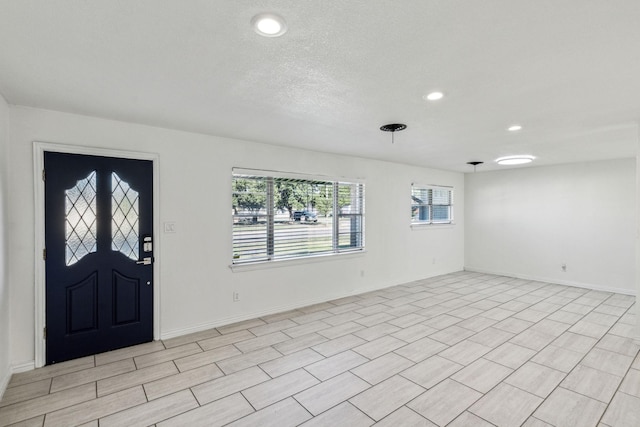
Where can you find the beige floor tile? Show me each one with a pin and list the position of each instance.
(465, 352)
(152, 412)
(624, 411)
(407, 320)
(253, 358)
(631, 383)
(382, 368)
(536, 379)
(240, 326)
(618, 344)
(592, 383)
(498, 313)
(132, 379)
(182, 381)
(45, 404)
(189, 338)
(372, 309)
(344, 414)
(377, 331)
(261, 342)
(531, 315)
(311, 317)
(229, 384)
(534, 422)
(272, 327)
(51, 371)
(575, 342)
(431, 371)
(491, 337)
(335, 365)
(166, 355)
(272, 391)
(218, 413)
(291, 362)
(300, 343)
(405, 417)
(601, 318)
(340, 330)
(444, 402)
(558, 358)
(513, 325)
(565, 317)
(535, 340)
(90, 375)
(624, 330)
(567, 408)
(25, 392)
(510, 355)
(306, 328)
(338, 345)
(451, 335)
(421, 349)
(343, 308)
(342, 318)
(607, 361)
(477, 323)
(200, 359)
(330, 393)
(287, 413)
(386, 397)
(467, 419)
(95, 409)
(577, 308)
(439, 322)
(31, 422)
(506, 406)
(374, 319)
(482, 375)
(589, 329)
(128, 352)
(224, 340)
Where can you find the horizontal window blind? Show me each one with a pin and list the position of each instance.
(431, 205)
(278, 217)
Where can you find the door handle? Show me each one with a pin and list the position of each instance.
(144, 261)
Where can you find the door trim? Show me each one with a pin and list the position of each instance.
(39, 192)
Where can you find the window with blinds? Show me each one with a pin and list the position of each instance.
(431, 204)
(277, 216)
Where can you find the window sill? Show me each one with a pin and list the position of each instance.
(261, 265)
(433, 226)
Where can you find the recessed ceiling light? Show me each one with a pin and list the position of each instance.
(515, 160)
(269, 25)
(514, 128)
(434, 96)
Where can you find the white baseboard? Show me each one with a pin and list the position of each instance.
(4, 381)
(589, 286)
(23, 367)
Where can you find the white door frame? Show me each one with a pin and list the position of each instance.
(39, 191)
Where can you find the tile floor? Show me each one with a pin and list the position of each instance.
(460, 350)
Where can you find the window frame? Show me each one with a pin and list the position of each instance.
(269, 211)
(430, 221)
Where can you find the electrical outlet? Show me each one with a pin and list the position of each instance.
(236, 296)
(564, 267)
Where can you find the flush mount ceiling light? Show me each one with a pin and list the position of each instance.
(393, 128)
(269, 25)
(514, 128)
(514, 160)
(434, 96)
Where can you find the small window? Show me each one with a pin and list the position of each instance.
(431, 204)
(281, 216)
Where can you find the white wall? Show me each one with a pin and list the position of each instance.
(195, 180)
(5, 343)
(527, 222)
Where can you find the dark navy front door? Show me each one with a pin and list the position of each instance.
(99, 254)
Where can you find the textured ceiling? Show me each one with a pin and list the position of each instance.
(568, 71)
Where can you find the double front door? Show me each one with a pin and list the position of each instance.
(99, 254)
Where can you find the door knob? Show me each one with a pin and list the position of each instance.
(144, 261)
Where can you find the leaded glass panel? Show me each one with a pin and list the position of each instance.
(80, 219)
(124, 218)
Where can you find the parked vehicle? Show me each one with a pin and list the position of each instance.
(306, 215)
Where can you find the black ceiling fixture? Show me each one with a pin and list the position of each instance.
(393, 128)
(474, 164)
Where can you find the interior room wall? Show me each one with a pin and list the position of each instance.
(196, 283)
(5, 342)
(529, 222)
